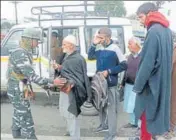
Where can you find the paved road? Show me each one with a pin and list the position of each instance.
(48, 121)
(40, 137)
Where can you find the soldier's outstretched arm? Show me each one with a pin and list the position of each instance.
(22, 62)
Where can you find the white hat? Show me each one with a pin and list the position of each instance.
(71, 39)
(137, 41)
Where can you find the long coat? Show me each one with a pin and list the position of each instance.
(74, 69)
(153, 80)
(173, 96)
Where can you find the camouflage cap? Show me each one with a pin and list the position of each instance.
(32, 33)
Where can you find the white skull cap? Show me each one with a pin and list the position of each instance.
(71, 39)
(137, 41)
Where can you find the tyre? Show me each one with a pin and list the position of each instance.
(88, 110)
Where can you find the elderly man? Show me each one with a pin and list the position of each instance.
(134, 46)
(110, 61)
(153, 80)
(77, 88)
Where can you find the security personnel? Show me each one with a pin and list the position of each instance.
(20, 73)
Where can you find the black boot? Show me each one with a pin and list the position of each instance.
(67, 134)
(33, 137)
(16, 134)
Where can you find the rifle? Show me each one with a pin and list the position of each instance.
(28, 94)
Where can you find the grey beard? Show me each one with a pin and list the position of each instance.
(69, 53)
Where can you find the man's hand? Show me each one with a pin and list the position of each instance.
(59, 67)
(105, 73)
(60, 82)
(56, 66)
(96, 40)
(67, 88)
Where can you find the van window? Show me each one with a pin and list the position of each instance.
(56, 42)
(74, 32)
(117, 36)
(11, 43)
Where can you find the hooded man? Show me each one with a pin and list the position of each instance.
(134, 46)
(77, 88)
(153, 80)
(20, 73)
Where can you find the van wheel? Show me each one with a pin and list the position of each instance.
(88, 109)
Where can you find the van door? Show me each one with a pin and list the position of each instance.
(45, 57)
(46, 61)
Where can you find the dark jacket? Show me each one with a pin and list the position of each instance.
(110, 58)
(131, 71)
(153, 80)
(75, 70)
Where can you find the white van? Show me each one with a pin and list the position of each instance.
(83, 28)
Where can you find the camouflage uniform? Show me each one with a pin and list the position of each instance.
(19, 73)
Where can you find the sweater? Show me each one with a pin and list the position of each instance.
(132, 63)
